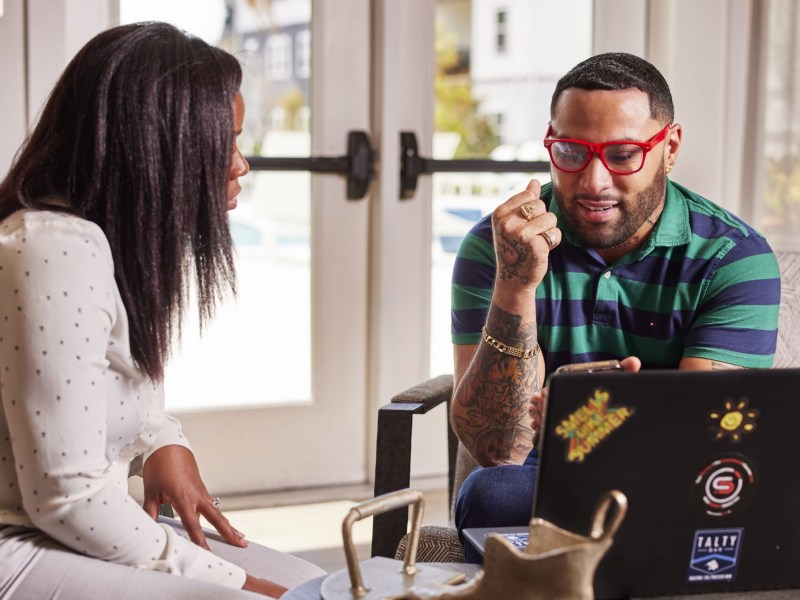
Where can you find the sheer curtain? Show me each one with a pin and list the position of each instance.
(776, 115)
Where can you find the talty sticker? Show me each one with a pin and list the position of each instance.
(733, 421)
(715, 555)
(587, 427)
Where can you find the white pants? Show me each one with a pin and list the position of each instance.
(35, 567)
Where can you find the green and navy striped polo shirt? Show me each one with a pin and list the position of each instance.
(704, 284)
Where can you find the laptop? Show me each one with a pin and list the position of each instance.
(709, 462)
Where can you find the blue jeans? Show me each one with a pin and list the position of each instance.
(496, 497)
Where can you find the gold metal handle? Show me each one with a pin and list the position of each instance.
(378, 506)
(620, 507)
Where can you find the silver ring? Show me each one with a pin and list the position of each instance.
(216, 503)
(550, 237)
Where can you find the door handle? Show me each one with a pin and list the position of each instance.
(412, 165)
(358, 165)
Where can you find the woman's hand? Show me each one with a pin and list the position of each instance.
(171, 477)
(263, 586)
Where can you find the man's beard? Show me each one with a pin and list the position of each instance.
(632, 214)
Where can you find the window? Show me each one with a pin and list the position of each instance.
(778, 216)
(279, 56)
(501, 31)
(303, 54)
(489, 107)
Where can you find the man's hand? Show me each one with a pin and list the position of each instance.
(171, 477)
(524, 233)
(538, 400)
(535, 411)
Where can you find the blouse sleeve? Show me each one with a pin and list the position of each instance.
(169, 433)
(57, 294)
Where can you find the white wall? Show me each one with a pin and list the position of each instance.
(620, 26)
(34, 56)
(710, 92)
(12, 75)
(56, 31)
(702, 49)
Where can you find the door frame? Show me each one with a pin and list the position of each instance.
(400, 230)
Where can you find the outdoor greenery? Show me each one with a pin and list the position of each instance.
(782, 193)
(292, 103)
(456, 109)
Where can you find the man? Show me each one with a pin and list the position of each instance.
(612, 260)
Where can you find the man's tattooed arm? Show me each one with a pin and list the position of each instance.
(490, 405)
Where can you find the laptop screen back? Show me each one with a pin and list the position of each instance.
(710, 466)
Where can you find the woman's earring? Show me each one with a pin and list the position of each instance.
(669, 168)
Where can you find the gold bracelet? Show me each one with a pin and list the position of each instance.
(510, 350)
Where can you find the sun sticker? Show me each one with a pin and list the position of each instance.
(733, 421)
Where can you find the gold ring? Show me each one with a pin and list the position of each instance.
(528, 210)
(551, 239)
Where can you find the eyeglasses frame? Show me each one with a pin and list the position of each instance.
(598, 147)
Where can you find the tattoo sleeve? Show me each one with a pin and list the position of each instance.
(490, 407)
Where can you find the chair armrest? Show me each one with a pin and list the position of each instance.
(393, 454)
(429, 394)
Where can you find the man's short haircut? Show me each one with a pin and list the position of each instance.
(620, 71)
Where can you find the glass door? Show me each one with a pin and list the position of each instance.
(497, 63)
(272, 394)
(322, 278)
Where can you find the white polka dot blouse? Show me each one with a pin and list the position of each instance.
(75, 409)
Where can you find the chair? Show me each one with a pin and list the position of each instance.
(393, 471)
(787, 354)
(393, 459)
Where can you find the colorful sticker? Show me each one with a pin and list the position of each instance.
(715, 555)
(733, 421)
(725, 487)
(590, 424)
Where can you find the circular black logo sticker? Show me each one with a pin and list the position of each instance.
(725, 487)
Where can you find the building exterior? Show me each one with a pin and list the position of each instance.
(519, 49)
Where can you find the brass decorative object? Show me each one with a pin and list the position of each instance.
(555, 565)
(381, 577)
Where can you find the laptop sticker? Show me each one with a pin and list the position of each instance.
(733, 421)
(585, 428)
(725, 487)
(715, 555)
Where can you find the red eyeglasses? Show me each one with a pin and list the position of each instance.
(621, 157)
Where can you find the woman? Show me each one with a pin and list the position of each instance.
(115, 202)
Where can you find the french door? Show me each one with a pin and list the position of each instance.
(272, 395)
(332, 317)
(280, 391)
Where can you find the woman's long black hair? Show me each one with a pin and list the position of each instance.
(137, 137)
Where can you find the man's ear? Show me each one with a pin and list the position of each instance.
(672, 144)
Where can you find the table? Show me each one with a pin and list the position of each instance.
(311, 589)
